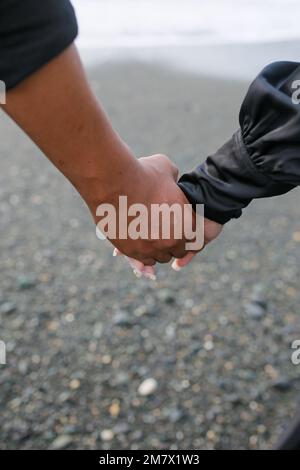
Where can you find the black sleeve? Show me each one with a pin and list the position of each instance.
(32, 32)
(262, 159)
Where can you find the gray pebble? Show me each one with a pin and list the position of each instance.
(282, 385)
(258, 295)
(166, 296)
(61, 442)
(255, 311)
(123, 319)
(7, 308)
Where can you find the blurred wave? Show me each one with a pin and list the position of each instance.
(154, 23)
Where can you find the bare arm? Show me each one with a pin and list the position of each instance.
(57, 109)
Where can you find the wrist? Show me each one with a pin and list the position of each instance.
(105, 183)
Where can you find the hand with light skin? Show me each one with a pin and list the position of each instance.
(211, 231)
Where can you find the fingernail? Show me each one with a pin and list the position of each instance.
(137, 273)
(175, 266)
(115, 252)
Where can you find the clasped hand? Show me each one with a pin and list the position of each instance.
(153, 181)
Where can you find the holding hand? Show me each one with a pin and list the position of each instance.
(76, 135)
(211, 232)
(151, 183)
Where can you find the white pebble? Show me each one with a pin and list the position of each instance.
(107, 435)
(147, 387)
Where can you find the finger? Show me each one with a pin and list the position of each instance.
(145, 261)
(135, 264)
(140, 270)
(164, 164)
(139, 259)
(163, 258)
(179, 252)
(178, 264)
(149, 273)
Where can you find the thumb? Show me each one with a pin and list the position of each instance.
(178, 264)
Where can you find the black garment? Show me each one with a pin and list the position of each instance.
(290, 440)
(262, 159)
(32, 32)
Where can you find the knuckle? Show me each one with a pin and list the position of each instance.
(149, 262)
(179, 254)
(164, 259)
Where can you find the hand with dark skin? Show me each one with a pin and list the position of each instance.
(57, 109)
(211, 231)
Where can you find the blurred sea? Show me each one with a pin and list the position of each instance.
(111, 29)
(150, 23)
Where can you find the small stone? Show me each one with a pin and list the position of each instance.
(208, 345)
(271, 372)
(234, 399)
(282, 385)
(23, 366)
(15, 404)
(53, 325)
(166, 295)
(231, 254)
(296, 237)
(74, 384)
(121, 428)
(121, 378)
(144, 310)
(106, 359)
(211, 435)
(107, 435)
(63, 397)
(137, 435)
(147, 387)
(174, 414)
(98, 330)
(258, 295)
(114, 409)
(123, 319)
(26, 282)
(140, 311)
(255, 310)
(61, 442)
(170, 332)
(247, 375)
(8, 308)
(70, 429)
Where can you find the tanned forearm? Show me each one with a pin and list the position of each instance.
(60, 113)
(57, 109)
